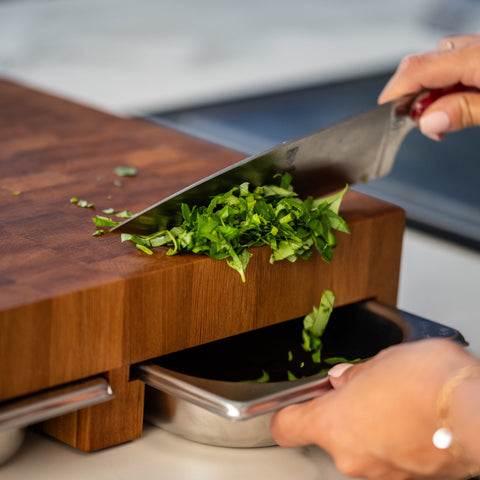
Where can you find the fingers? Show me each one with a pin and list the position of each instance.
(436, 69)
(450, 43)
(306, 423)
(380, 433)
(455, 61)
(451, 113)
(316, 422)
(291, 426)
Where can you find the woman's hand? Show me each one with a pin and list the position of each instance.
(378, 420)
(457, 60)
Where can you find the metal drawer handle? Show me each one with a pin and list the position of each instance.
(53, 403)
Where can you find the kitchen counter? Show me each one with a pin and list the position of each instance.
(439, 281)
(159, 454)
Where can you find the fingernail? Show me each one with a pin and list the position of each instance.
(339, 369)
(434, 125)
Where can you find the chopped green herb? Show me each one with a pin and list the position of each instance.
(100, 221)
(316, 321)
(108, 211)
(82, 203)
(317, 353)
(314, 325)
(128, 237)
(144, 249)
(16, 192)
(291, 376)
(126, 171)
(98, 233)
(247, 216)
(124, 214)
(263, 379)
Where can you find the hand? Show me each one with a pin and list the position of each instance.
(457, 60)
(378, 420)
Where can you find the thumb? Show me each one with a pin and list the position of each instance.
(298, 424)
(451, 113)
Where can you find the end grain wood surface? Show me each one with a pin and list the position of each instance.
(73, 305)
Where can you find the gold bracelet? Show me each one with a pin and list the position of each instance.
(443, 437)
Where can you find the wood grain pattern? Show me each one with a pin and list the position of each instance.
(94, 428)
(73, 305)
(204, 300)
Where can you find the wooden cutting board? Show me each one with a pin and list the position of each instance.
(73, 305)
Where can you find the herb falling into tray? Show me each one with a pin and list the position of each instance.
(314, 325)
(277, 353)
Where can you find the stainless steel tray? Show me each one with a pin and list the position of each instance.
(201, 407)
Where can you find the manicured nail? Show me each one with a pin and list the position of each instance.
(434, 125)
(339, 369)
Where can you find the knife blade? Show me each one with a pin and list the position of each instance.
(357, 149)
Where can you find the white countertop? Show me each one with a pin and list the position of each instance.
(133, 56)
(158, 454)
(441, 281)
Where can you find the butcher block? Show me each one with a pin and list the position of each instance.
(75, 306)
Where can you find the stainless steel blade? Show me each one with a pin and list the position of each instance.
(355, 150)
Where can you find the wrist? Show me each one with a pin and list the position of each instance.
(465, 416)
(458, 419)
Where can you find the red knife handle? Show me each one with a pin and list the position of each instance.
(425, 99)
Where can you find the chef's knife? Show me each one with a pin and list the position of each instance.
(358, 149)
